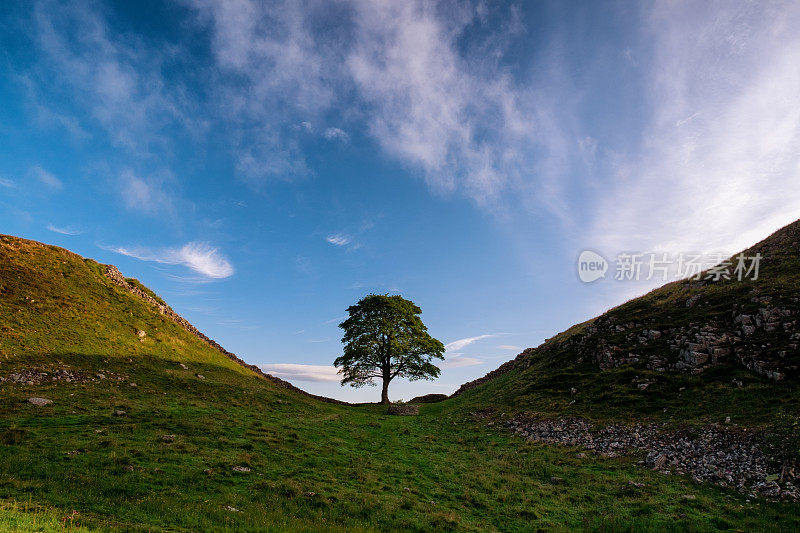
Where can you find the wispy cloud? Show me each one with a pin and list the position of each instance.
(144, 194)
(46, 178)
(460, 361)
(509, 347)
(338, 239)
(720, 161)
(296, 372)
(64, 231)
(7, 183)
(451, 112)
(115, 77)
(336, 134)
(461, 343)
(199, 257)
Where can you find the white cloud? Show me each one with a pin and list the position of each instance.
(290, 371)
(451, 112)
(336, 134)
(112, 75)
(461, 343)
(146, 195)
(199, 257)
(338, 239)
(509, 347)
(64, 231)
(46, 178)
(459, 361)
(7, 183)
(719, 166)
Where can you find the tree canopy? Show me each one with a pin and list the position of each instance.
(384, 338)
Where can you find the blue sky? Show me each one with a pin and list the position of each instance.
(262, 166)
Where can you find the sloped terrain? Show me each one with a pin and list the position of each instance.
(695, 350)
(114, 415)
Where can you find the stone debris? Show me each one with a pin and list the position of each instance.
(39, 402)
(243, 469)
(35, 376)
(727, 456)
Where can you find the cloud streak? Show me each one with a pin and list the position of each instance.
(63, 231)
(197, 256)
(46, 178)
(297, 372)
(338, 239)
(462, 343)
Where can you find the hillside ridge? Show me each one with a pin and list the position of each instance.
(692, 325)
(114, 274)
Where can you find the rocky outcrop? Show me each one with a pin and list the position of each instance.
(690, 326)
(113, 274)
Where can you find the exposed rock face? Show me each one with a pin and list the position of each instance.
(729, 457)
(113, 274)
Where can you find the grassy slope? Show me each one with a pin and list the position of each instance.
(543, 382)
(440, 470)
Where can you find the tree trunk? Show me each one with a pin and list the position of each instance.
(385, 392)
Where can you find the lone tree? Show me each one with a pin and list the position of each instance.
(384, 338)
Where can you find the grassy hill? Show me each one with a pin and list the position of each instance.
(692, 351)
(163, 431)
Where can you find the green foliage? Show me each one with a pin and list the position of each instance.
(385, 338)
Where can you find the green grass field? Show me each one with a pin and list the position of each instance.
(366, 470)
(313, 466)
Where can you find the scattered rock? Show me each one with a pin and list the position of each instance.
(119, 412)
(406, 409)
(141, 334)
(310, 494)
(168, 438)
(39, 402)
(725, 455)
(232, 509)
(243, 469)
(200, 376)
(128, 468)
(688, 497)
(183, 366)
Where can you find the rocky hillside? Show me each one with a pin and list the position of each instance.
(56, 305)
(692, 326)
